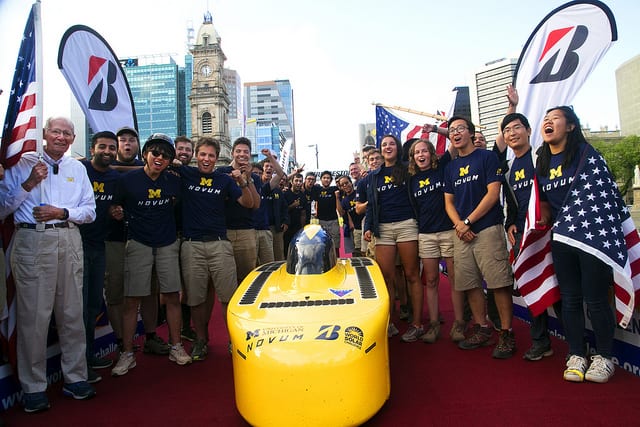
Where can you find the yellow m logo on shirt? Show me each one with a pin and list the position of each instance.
(424, 183)
(388, 179)
(519, 174)
(206, 181)
(154, 194)
(555, 173)
(98, 187)
(464, 171)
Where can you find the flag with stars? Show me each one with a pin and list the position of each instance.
(19, 133)
(389, 124)
(595, 220)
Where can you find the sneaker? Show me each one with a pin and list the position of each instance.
(93, 377)
(188, 334)
(601, 369)
(457, 331)
(125, 362)
(35, 402)
(81, 390)
(392, 331)
(432, 333)
(99, 362)
(506, 345)
(156, 345)
(413, 333)
(481, 337)
(199, 350)
(576, 365)
(537, 352)
(405, 313)
(178, 355)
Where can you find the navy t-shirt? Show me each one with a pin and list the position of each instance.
(348, 203)
(149, 206)
(326, 198)
(238, 217)
(521, 174)
(467, 179)
(427, 189)
(104, 188)
(116, 231)
(295, 214)
(393, 199)
(555, 186)
(204, 197)
(261, 215)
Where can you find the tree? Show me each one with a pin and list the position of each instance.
(622, 158)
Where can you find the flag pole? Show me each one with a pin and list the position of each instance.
(37, 24)
(409, 110)
(419, 113)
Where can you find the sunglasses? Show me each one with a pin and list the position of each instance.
(158, 153)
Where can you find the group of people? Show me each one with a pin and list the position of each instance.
(159, 224)
(428, 208)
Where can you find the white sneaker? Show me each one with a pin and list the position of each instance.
(126, 361)
(601, 369)
(576, 365)
(178, 355)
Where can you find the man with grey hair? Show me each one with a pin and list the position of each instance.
(49, 196)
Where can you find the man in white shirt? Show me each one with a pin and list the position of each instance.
(49, 196)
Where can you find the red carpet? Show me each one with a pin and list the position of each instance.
(431, 385)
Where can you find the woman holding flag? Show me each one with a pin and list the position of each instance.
(575, 184)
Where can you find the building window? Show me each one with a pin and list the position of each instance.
(206, 123)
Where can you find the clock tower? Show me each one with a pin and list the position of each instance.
(209, 100)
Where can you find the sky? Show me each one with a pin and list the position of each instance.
(339, 55)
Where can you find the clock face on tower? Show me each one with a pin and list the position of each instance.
(205, 70)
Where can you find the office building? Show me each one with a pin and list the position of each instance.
(628, 88)
(271, 103)
(233, 85)
(487, 95)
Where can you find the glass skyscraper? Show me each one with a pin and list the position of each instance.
(159, 97)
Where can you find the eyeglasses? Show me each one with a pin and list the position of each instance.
(58, 132)
(158, 153)
(515, 128)
(458, 129)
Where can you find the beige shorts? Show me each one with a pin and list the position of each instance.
(357, 238)
(139, 262)
(204, 260)
(398, 232)
(484, 257)
(245, 251)
(436, 245)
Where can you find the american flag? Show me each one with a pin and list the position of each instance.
(389, 124)
(596, 220)
(19, 133)
(533, 268)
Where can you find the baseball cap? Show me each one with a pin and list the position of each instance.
(163, 139)
(127, 129)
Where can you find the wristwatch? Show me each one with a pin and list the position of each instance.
(466, 221)
(65, 214)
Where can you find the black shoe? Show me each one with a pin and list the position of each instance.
(99, 363)
(93, 377)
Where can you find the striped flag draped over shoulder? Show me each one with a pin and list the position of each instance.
(593, 219)
(19, 134)
(96, 79)
(596, 220)
(559, 56)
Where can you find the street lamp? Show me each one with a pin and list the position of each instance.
(316, 146)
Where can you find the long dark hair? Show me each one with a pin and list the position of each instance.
(399, 172)
(574, 139)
